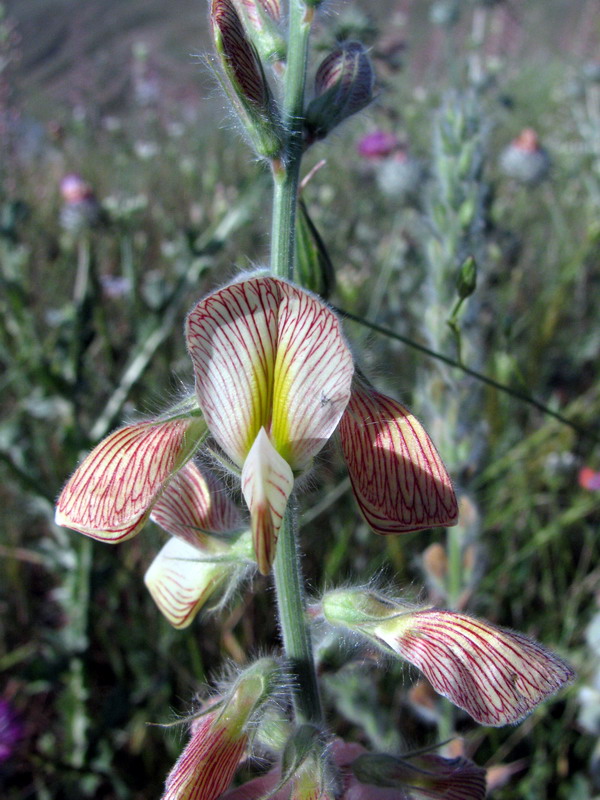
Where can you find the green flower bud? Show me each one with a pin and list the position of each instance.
(343, 86)
(467, 278)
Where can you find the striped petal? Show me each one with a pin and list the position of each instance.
(232, 341)
(110, 495)
(180, 583)
(192, 503)
(496, 675)
(207, 765)
(267, 482)
(313, 376)
(268, 354)
(397, 476)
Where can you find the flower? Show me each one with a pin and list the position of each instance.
(589, 479)
(274, 379)
(221, 736)
(496, 675)
(80, 207)
(525, 159)
(377, 144)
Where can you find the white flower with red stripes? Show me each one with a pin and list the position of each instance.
(274, 379)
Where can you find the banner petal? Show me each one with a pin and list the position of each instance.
(397, 476)
(232, 339)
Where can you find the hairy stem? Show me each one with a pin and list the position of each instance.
(292, 619)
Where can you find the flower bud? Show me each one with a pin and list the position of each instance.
(246, 83)
(496, 675)
(220, 737)
(467, 278)
(313, 265)
(343, 85)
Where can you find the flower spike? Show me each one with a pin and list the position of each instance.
(398, 478)
(110, 495)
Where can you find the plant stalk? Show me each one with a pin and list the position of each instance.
(292, 619)
(286, 171)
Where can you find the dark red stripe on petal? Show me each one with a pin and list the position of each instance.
(110, 495)
(232, 339)
(398, 478)
(195, 501)
(496, 675)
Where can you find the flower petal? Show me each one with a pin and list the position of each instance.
(192, 503)
(232, 340)
(397, 475)
(496, 675)
(180, 583)
(207, 765)
(267, 482)
(110, 495)
(313, 376)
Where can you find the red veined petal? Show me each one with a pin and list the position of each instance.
(232, 340)
(110, 495)
(180, 583)
(207, 765)
(267, 482)
(496, 675)
(312, 379)
(397, 476)
(193, 502)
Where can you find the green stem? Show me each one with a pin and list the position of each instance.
(294, 627)
(286, 171)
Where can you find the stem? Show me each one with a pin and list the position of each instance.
(286, 171)
(288, 579)
(292, 618)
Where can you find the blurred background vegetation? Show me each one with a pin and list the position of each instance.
(167, 202)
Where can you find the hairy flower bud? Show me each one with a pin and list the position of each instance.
(343, 85)
(220, 737)
(246, 83)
